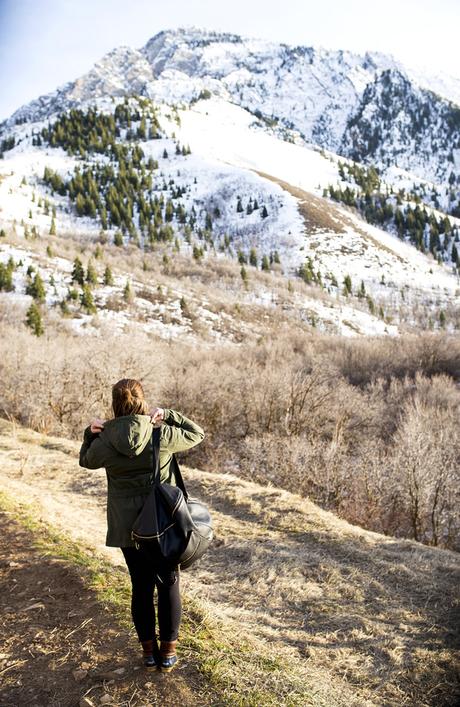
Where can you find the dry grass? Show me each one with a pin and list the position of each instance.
(302, 608)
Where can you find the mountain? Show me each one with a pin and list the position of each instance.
(320, 165)
(321, 94)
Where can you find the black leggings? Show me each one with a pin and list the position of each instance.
(145, 575)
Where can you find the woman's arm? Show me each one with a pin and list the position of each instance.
(178, 433)
(88, 451)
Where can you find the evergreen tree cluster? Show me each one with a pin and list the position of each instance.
(35, 286)
(444, 198)
(393, 121)
(308, 274)
(6, 275)
(250, 207)
(120, 193)
(86, 279)
(83, 132)
(253, 259)
(387, 210)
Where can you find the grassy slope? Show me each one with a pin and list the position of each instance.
(292, 606)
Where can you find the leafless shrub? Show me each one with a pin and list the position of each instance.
(115, 303)
(368, 429)
(364, 360)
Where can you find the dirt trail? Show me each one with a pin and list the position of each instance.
(367, 620)
(59, 645)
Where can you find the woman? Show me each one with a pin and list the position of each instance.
(123, 446)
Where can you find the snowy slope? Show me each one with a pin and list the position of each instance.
(215, 129)
(232, 157)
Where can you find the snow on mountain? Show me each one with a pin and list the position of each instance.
(397, 123)
(265, 123)
(319, 93)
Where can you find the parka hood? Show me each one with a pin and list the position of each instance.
(129, 434)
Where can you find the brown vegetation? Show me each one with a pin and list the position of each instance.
(367, 428)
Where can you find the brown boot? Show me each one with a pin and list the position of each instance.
(168, 657)
(150, 654)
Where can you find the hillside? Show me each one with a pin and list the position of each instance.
(353, 617)
(213, 147)
(207, 207)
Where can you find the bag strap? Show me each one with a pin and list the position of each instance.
(156, 454)
(178, 476)
(174, 463)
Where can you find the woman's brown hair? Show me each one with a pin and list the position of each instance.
(128, 398)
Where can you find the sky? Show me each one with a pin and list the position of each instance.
(45, 43)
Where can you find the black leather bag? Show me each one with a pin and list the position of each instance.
(176, 529)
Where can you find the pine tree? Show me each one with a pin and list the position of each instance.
(78, 272)
(239, 206)
(165, 154)
(6, 278)
(53, 227)
(34, 319)
(265, 263)
(118, 239)
(197, 252)
(87, 301)
(264, 212)
(244, 275)
(103, 217)
(442, 319)
(91, 274)
(127, 292)
(184, 307)
(169, 211)
(253, 257)
(242, 259)
(36, 288)
(108, 277)
(80, 204)
(347, 289)
(362, 290)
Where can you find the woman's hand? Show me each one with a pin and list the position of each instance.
(157, 416)
(97, 426)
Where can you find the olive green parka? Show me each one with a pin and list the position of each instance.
(124, 448)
